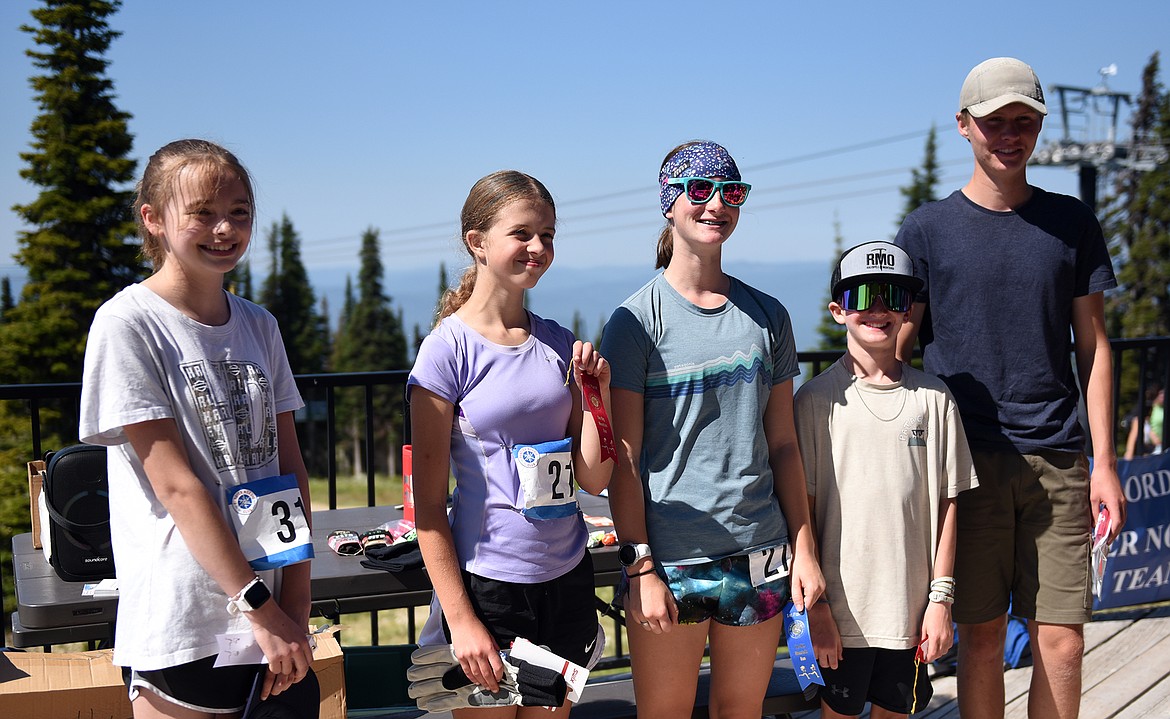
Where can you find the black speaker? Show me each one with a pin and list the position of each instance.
(76, 490)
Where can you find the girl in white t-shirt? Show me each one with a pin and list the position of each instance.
(190, 389)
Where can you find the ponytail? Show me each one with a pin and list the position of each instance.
(665, 247)
(452, 300)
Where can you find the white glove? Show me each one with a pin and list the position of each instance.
(438, 683)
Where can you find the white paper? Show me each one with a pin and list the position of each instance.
(104, 588)
(238, 648)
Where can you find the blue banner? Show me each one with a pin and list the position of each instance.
(1138, 569)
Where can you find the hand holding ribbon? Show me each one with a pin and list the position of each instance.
(590, 371)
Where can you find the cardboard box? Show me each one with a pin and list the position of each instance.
(34, 496)
(329, 666)
(34, 685)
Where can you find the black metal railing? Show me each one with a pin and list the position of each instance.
(1145, 361)
(1148, 358)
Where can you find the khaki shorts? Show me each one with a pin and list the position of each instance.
(1023, 539)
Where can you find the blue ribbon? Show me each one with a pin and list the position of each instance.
(800, 647)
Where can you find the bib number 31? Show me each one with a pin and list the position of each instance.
(270, 522)
(546, 479)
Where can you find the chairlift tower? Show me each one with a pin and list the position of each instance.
(1089, 140)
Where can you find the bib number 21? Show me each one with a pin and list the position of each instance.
(546, 479)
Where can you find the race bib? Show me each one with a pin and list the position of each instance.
(270, 522)
(768, 564)
(546, 479)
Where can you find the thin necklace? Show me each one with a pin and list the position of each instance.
(861, 396)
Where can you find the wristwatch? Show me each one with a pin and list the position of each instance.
(630, 554)
(250, 598)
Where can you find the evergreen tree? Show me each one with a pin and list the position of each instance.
(270, 295)
(418, 338)
(832, 334)
(443, 283)
(348, 303)
(239, 280)
(1137, 220)
(288, 295)
(443, 287)
(578, 328)
(6, 302)
(324, 331)
(339, 347)
(923, 181)
(79, 250)
(371, 339)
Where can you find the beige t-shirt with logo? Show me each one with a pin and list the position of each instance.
(879, 459)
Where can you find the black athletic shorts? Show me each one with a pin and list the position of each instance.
(560, 614)
(197, 685)
(200, 686)
(885, 677)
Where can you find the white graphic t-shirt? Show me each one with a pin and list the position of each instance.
(224, 386)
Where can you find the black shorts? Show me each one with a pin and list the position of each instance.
(197, 685)
(200, 686)
(885, 677)
(560, 614)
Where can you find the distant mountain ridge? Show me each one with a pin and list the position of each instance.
(594, 292)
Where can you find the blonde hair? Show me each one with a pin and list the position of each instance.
(488, 197)
(157, 187)
(666, 237)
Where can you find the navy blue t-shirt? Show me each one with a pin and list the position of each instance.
(999, 291)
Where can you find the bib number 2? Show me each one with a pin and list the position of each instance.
(546, 479)
(270, 522)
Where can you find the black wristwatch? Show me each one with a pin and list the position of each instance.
(630, 554)
(251, 597)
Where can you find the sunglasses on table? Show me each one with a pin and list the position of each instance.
(700, 190)
(896, 298)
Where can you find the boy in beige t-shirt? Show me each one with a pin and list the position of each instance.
(884, 455)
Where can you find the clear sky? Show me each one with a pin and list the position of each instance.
(360, 113)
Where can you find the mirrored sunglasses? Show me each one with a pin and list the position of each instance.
(700, 190)
(896, 298)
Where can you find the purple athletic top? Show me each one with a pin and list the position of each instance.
(502, 396)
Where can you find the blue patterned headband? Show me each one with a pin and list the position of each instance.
(705, 159)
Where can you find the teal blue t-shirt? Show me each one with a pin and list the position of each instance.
(705, 376)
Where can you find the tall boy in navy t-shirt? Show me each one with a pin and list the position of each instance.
(1008, 269)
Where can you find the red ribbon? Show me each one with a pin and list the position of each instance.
(592, 393)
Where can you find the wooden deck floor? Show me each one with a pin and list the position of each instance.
(1126, 672)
